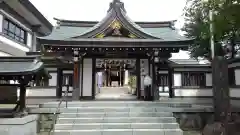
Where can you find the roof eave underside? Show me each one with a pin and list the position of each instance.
(87, 42)
(119, 14)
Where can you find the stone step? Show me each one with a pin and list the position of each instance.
(89, 126)
(113, 109)
(117, 120)
(120, 132)
(116, 114)
(116, 104)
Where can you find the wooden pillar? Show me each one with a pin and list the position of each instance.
(76, 89)
(170, 82)
(120, 76)
(155, 92)
(107, 74)
(93, 77)
(59, 82)
(22, 100)
(81, 77)
(138, 73)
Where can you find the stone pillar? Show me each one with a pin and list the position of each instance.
(126, 77)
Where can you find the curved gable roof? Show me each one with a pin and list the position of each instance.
(72, 29)
(116, 12)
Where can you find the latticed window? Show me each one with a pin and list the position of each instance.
(193, 79)
(162, 79)
(68, 78)
(13, 31)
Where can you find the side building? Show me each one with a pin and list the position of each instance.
(20, 24)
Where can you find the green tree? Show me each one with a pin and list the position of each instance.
(197, 25)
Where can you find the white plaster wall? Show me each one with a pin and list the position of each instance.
(237, 76)
(166, 89)
(164, 94)
(1, 23)
(12, 47)
(177, 79)
(87, 77)
(29, 39)
(235, 92)
(193, 92)
(19, 126)
(192, 69)
(208, 79)
(53, 80)
(67, 71)
(43, 92)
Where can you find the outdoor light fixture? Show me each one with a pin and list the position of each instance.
(156, 53)
(156, 59)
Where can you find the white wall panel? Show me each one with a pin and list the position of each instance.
(29, 39)
(177, 79)
(235, 92)
(208, 79)
(193, 92)
(237, 76)
(1, 23)
(87, 77)
(53, 80)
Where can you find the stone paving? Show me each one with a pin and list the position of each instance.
(114, 93)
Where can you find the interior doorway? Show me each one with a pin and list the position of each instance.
(113, 79)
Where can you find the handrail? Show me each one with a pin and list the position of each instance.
(55, 117)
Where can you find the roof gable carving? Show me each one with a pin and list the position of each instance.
(116, 16)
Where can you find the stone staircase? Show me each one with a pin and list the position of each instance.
(115, 118)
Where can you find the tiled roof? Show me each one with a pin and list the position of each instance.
(12, 66)
(66, 32)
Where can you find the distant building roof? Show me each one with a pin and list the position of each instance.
(17, 66)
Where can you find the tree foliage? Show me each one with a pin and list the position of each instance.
(197, 25)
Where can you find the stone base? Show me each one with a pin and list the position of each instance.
(19, 126)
